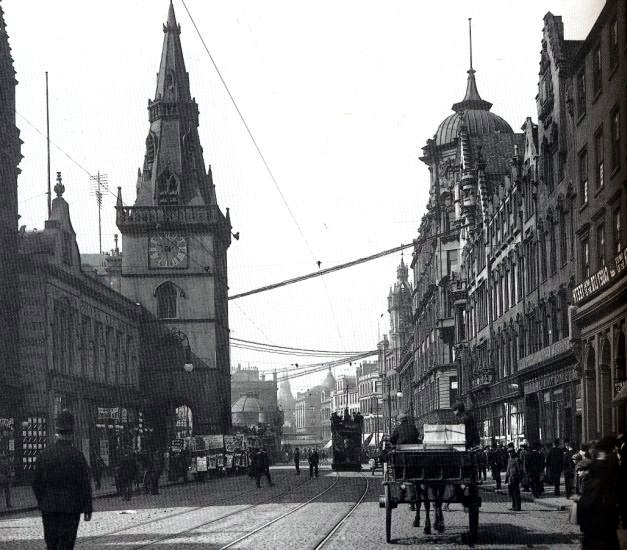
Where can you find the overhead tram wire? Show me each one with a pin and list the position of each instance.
(295, 348)
(263, 159)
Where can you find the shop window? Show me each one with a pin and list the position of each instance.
(581, 93)
(598, 158)
(583, 176)
(615, 139)
(617, 245)
(585, 258)
(600, 246)
(613, 43)
(596, 70)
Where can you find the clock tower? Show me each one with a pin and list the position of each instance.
(175, 239)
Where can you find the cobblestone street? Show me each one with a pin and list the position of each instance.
(224, 513)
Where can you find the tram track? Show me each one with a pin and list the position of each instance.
(93, 541)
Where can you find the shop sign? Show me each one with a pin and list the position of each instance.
(601, 278)
(549, 381)
(201, 464)
(213, 441)
(176, 446)
(233, 443)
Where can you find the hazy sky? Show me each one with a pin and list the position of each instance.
(340, 96)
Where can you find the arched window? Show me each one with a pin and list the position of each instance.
(166, 301)
(150, 151)
(167, 189)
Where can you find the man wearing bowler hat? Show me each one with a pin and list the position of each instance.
(62, 487)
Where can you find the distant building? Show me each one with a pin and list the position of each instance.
(370, 398)
(308, 412)
(251, 393)
(326, 405)
(346, 395)
(287, 403)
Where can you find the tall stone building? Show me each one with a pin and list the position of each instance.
(465, 160)
(10, 156)
(287, 403)
(598, 113)
(175, 240)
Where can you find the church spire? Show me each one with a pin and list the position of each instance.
(472, 99)
(174, 169)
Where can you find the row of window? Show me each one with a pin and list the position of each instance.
(597, 68)
(101, 353)
(600, 242)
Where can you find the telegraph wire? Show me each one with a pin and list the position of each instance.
(295, 348)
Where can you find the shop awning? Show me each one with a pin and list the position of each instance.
(621, 396)
(328, 445)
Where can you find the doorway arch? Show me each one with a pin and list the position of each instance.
(605, 389)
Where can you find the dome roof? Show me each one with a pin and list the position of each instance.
(329, 381)
(246, 404)
(478, 123)
(476, 114)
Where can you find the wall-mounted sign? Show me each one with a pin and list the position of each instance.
(601, 279)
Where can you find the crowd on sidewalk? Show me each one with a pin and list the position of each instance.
(594, 477)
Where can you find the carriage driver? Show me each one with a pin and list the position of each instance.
(465, 418)
(404, 433)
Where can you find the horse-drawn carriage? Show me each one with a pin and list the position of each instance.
(437, 471)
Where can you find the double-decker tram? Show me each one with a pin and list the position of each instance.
(346, 433)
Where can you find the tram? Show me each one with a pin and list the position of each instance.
(346, 433)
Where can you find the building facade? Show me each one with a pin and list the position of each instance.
(326, 405)
(248, 382)
(307, 412)
(370, 398)
(598, 112)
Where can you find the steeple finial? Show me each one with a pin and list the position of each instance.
(470, 39)
(59, 188)
(472, 99)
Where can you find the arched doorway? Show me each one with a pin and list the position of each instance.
(620, 375)
(606, 390)
(590, 395)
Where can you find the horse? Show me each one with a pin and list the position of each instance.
(421, 491)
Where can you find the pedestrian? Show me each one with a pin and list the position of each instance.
(596, 509)
(127, 472)
(261, 466)
(534, 466)
(482, 463)
(6, 467)
(155, 469)
(470, 426)
(513, 476)
(96, 470)
(581, 465)
(569, 470)
(313, 463)
(555, 464)
(62, 487)
(297, 460)
(523, 455)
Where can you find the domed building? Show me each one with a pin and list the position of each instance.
(470, 162)
(247, 411)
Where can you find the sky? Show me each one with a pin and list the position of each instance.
(340, 96)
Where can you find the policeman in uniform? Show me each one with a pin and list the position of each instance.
(62, 487)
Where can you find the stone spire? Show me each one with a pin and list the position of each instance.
(472, 99)
(174, 169)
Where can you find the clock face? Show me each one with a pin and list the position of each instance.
(167, 250)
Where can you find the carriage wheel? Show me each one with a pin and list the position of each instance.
(388, 514)
(473, 520)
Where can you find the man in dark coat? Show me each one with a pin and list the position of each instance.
(534, 464)
(513, 475)
(261, 465)
(569, 470)
(297, 461)
(127, 472)
(465, 418)
(555, 464)
(62, 487)
(597, 513)
(6, 467)
(404, 433)
(313, 463)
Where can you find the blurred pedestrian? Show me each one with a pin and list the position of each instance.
(62, 487)
(261, 466)
(555, 464)
(569, 470)
(482, 463)
(96, 470)
(313, 463)
(297, 460)
(127, 473)
(6, 467)
(523, 455)
(534, 464)
(596, 509)
(155, 468)
(513, 475)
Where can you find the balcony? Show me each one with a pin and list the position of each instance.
(140, 218)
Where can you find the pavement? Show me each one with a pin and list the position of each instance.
(548, 499)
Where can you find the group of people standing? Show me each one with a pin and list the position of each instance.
(312, 457)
